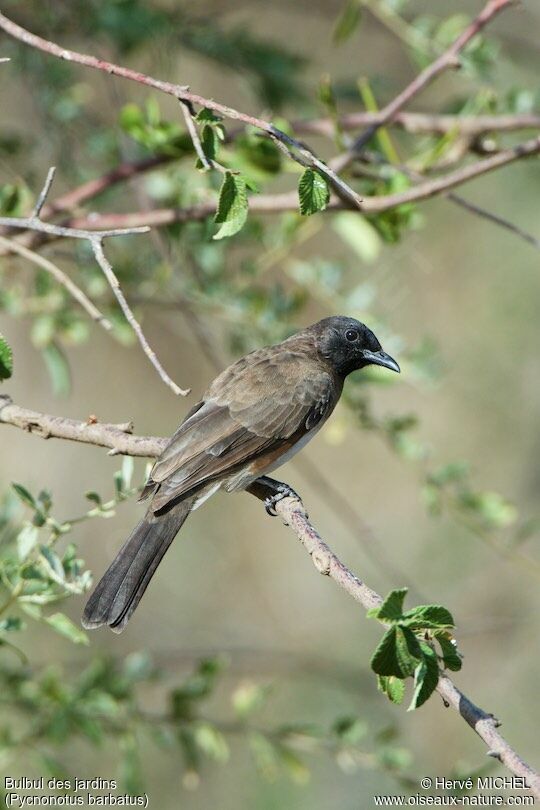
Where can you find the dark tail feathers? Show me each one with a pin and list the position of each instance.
(121, 587)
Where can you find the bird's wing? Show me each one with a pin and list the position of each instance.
(259, 405)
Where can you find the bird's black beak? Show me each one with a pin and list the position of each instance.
(380, 358)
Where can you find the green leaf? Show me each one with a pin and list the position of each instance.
(58, 369)
(347, 22)
(24, 495)
(350, 730)
(296, 769)
(393, 688)
(206, 116)
(6, 359)
(64, 626)
(209, 143)
(265, 755)
(313, 192)
(451, 657)
(26, 540)
(427, 617)
(426, 678)
(398, 653)
(392, 607)
(52, 560)
(131, 769)
(11, 624)
(249, 697)
(212, 742)
(232, 208)
(359, 234)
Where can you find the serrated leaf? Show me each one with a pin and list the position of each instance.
(313, 192)
(393, 688)
(398, 653)
(6, 359)
(392, 607)
(206, 116)
(232, 208)
(209, 143)
(65, 627)
(426, 678)
(347, 22)
(24, 495)
(450, 655)
(429, 617)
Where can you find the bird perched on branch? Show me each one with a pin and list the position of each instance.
(256, 414)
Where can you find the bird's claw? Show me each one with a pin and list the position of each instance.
(284, 491)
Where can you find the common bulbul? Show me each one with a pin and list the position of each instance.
(256, 414)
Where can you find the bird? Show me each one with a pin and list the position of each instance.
(254, 417)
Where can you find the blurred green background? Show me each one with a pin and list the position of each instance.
(451, 295)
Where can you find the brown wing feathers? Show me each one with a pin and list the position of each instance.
(239, 422)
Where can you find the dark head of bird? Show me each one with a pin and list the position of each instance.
(349, 345)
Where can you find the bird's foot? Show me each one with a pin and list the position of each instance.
(283, 491)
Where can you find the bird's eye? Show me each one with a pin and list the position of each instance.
(352, 335)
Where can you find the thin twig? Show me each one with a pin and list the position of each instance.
(59, 276)
(44, 192)
(35, 224)
(95, 238)
(97, 247)
(448, 59)
(294, 515)
(194, 134)
(495, 218)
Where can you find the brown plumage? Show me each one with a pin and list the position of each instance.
(254, 416)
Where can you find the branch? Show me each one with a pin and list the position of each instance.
(418, 123)
(457, 199)
(448, 181)
(288, 201)
(415, 123)
(117, 438)
(448, 59)
(120, 440)
(95, 238)
(298, 151)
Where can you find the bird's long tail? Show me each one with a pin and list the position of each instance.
(121, 587)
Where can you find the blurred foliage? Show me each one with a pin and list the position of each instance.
(251, 277)
(44, 710)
